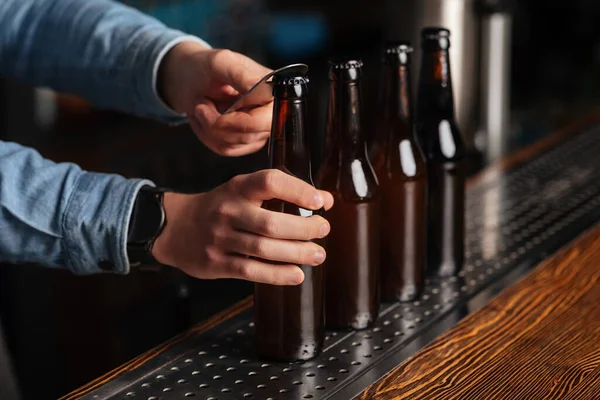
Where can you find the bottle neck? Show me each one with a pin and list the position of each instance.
(344, 127)
(435, 99)
(332, 137)
(397, 91)
(288, 149)
(397, 97)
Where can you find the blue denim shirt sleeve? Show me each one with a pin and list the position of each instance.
(58, 215)
(102, 50)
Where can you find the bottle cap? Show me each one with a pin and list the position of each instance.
(345, 69)
(290, 80)
(435, 38)
(434, 32)
(398, 51)
(345, 64)
(397, 47)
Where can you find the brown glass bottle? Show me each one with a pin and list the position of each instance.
(289, 320)
(402, 172)
(444, 150)
(352, 264)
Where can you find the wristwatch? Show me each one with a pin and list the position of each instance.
(147, 221)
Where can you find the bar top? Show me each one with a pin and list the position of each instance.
(539, 334)
(537, 340)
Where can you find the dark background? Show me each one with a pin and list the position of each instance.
(64, 330)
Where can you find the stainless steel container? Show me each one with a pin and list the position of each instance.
(496, 36)
(479, 56)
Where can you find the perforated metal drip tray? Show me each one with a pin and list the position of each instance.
(512, 223)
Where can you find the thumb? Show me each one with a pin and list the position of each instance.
(237, 70)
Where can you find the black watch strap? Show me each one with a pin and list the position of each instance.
(147, 221)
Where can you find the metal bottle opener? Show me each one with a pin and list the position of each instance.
(262, 89)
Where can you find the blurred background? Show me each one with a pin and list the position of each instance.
(521, 71)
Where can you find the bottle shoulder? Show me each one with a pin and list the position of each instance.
(401, 156)
(441, 139)
(405, 160)
(353, 178)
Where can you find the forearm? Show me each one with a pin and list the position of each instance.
(60, 216)
(101, 50)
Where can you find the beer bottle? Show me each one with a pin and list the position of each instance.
(289, 320)
(402, 172)
(445, 153)
(352, 264)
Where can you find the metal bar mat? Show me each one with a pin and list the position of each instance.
(520, 217)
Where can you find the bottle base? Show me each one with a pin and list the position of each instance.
(277, 358)
(275, 353)
(360, 322)
(405, 294)
(445, 270)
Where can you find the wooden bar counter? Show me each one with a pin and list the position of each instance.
(539, 339)
(521, 321)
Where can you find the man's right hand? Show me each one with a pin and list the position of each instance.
(220, 233)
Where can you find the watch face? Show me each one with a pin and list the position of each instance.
(148, 216)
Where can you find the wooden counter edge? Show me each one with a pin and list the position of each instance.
(489, 172)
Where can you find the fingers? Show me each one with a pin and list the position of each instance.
(255, 120)
(327, 199)
(260, 94)
(278, 225)
(238, 127)
(241, 132)
(257, 271)
(235, 134)
(222, 147)
(269, 249)
(275, 184)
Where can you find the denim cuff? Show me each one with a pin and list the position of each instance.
(96, 221)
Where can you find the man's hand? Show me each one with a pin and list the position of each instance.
(211, 235)
(203, 83)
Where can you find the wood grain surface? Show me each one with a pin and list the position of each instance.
(539, 339)
(489, 173)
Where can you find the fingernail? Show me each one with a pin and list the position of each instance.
(324, 230)
(317, 201)
(319, 257)
(297, 278)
